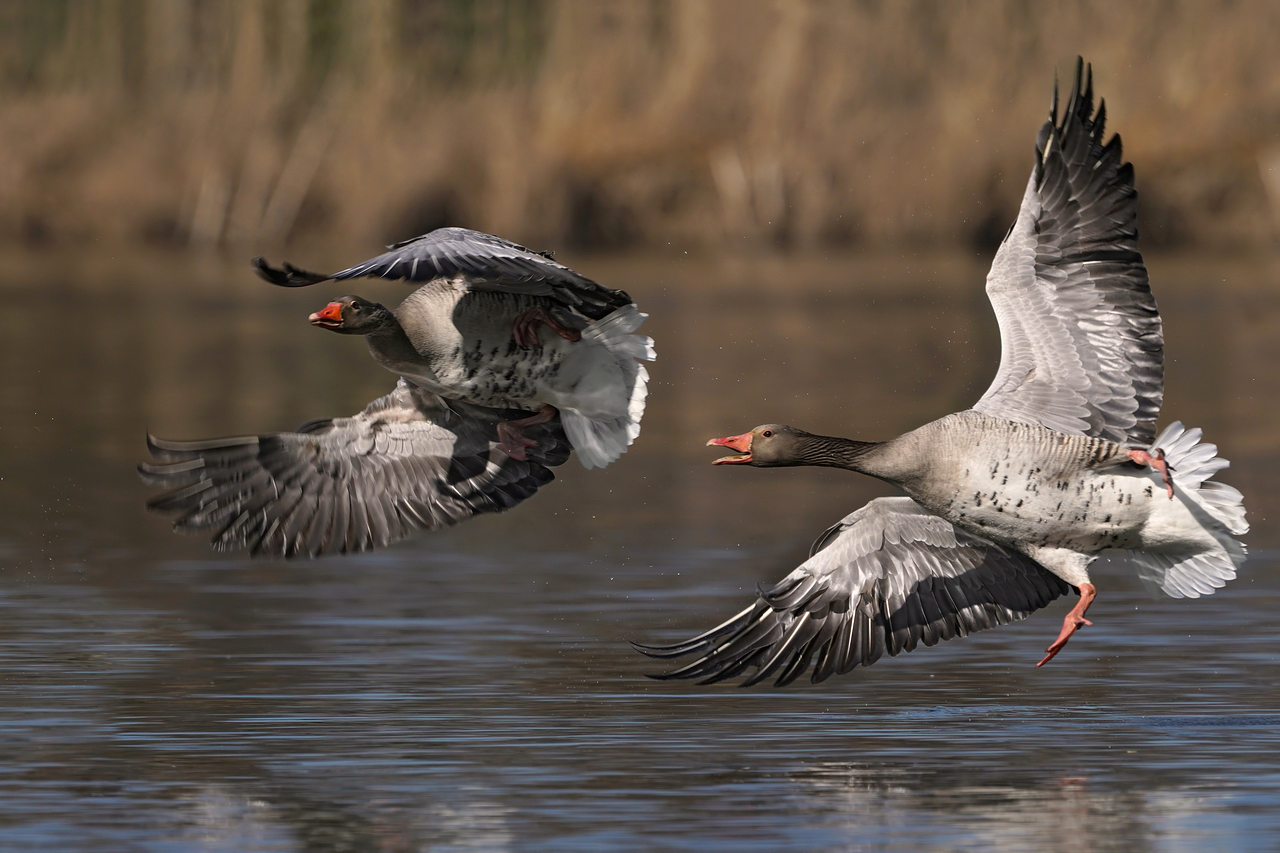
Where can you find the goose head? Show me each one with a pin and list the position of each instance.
(353, 315)
(766, 446)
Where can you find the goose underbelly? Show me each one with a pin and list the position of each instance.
(497, 374)
(1024, 485)
(1087, 512)
(581, 375)
(467, 349)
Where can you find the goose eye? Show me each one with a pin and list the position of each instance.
(766, 434)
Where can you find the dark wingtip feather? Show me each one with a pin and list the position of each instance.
(285, 275)
(1073, 100)
(161, 446)
(1088, 82)
(652, 651)
(1053, 106)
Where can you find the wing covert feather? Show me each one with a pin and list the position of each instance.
(478, 261)
(889, 577)
(409, 461)
(1082, 346)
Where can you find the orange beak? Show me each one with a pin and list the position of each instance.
(328, 316)
(740, 443)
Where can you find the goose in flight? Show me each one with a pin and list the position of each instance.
(507, 361)
(1007, 503)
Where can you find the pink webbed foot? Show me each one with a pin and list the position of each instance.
(1073, 621)
(525, 328)
(511, 440)
(1157, 462)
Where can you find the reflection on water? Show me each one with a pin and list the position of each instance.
(473, 690)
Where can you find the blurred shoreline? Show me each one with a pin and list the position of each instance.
(702, 124)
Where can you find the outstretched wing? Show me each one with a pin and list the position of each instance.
(484, 261)
(409, 461)
(887, 578)
(1083, 352)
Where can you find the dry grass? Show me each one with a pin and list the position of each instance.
(698, 123)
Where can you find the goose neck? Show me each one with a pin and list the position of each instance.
(833, 452)
(390, 343)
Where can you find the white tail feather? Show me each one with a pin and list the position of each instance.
(1191, 464)
(600, 440)
(1226, 504)
(1179, 576)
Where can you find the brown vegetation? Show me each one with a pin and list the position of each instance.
(689, 122)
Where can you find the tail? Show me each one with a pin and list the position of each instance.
(598, 441)
(1191, 465)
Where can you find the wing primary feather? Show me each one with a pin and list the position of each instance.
(890, 577)
(343, 485)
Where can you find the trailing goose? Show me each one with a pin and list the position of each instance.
(507, 360)
(1010, 502)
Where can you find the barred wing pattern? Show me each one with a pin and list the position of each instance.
(1083, 351)
(484, 262)
(887, 578)
(410, 461)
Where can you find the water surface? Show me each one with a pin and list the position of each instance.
(473, 689)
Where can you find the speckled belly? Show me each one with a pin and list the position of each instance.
(1090, 513)
(471, 354)
(503, 376)
(1022, 484)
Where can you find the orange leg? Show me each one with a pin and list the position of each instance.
(511, 440)
(1155, 460)
(525, 328)
(1073, 621)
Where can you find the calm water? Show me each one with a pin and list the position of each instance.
(473, 689)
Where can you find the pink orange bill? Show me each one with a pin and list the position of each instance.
(740, 443)
(329, 314)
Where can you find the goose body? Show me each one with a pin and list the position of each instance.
(1007, 503)
(593, 380)
(1060, 499)
(507, 360)
(461, 345)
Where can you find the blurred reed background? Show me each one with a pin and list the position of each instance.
(805, 196)
(706, 124)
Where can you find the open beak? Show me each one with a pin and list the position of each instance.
(328, 317)
(740, 443)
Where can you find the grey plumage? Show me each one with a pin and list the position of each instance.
(485, 262)
(888, 577)
(476, 368)
(1082, 347)
(1010, 501)
(410, 461)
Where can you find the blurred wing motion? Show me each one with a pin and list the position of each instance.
(484, 262)
(410, 461)
(888, 577)
(1083, 351)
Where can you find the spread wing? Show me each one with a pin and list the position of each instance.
(1083, 352)
(409, 461)
(887, 578)
(485, 262)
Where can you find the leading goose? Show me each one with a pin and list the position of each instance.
(1008, 503)
(506, 360)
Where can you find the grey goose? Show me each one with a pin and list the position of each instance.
(1008, 503)
(507, 361)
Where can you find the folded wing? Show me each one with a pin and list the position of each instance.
(887, 578)
(410, 461)
(483, 261)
